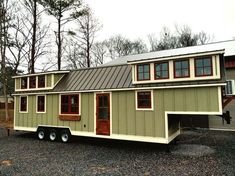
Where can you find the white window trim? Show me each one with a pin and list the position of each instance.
(136, 101)
(79, 104)
(27, 106)
(193, 77)
(32, 89)
(45, 104)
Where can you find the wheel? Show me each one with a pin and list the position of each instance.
(41, 133)
(52, 135)
(65, 136)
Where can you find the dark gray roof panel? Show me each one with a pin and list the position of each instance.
(96, 79)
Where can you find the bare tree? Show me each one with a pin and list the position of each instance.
(203, 38)
(183, 37)
(88, 26)
(120, 46)
(64, 11)
(99, 51)
(25, 38)
(153, 41)
(4, 18)
(186, 37)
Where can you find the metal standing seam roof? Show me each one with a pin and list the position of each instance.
(229, 47)
(112, 77)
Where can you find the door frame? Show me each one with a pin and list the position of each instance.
(110, 109)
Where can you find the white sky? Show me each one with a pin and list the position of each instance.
(138, 18)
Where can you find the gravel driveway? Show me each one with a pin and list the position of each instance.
(197, 152)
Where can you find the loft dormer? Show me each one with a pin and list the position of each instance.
(38, 81)
(175, 67)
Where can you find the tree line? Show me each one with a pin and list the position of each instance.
(41, 35)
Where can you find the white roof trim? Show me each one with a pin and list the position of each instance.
(175, 57)
(45, 73)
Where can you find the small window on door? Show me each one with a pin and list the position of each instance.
(144, 100)
(70, 104)
(24, 104)
(41, 103)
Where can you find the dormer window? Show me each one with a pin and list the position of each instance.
(181, 69)
(143, 72)
(161, 70)
(41, 81)
(203, 67)
(32, 82)
(24, 83)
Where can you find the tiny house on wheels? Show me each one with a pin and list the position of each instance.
(135, 98)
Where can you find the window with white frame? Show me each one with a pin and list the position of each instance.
(144, 100)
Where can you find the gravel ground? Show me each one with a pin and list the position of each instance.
(198, 152)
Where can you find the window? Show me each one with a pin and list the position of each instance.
(69, 104)
(143, 72)
(41, 103)
(181, 69)
(161, 70)
(23, 104)
(203, 67)
(32, 82)
(24, 83)
(41, 81)
(144, 100)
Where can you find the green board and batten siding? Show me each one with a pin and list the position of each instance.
(126, 120)
(33, 119)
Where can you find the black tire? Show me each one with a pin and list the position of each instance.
(41, 133)
(65, 136)
(52, 135)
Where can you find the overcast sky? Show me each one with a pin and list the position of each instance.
(138, 18)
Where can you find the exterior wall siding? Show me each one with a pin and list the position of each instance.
(57, 77)
(129, 121)
(48, 78)
(126, 120)
(33, 119)
(17, 83)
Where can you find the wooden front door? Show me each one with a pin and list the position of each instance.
(102, 114)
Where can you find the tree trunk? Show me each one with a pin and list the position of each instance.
(59, 44)
(3, 42)
(32, 70)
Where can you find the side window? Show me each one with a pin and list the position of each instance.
(24, 83)
(41, 103)
(32, 82)
(181, 69)
(144, 100)
(161, 70)
(41, 81)
(143, 72)
(23, 104)
(70, 104)
(203, 67)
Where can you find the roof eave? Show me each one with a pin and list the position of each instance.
(206, 53)
(44, 73)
